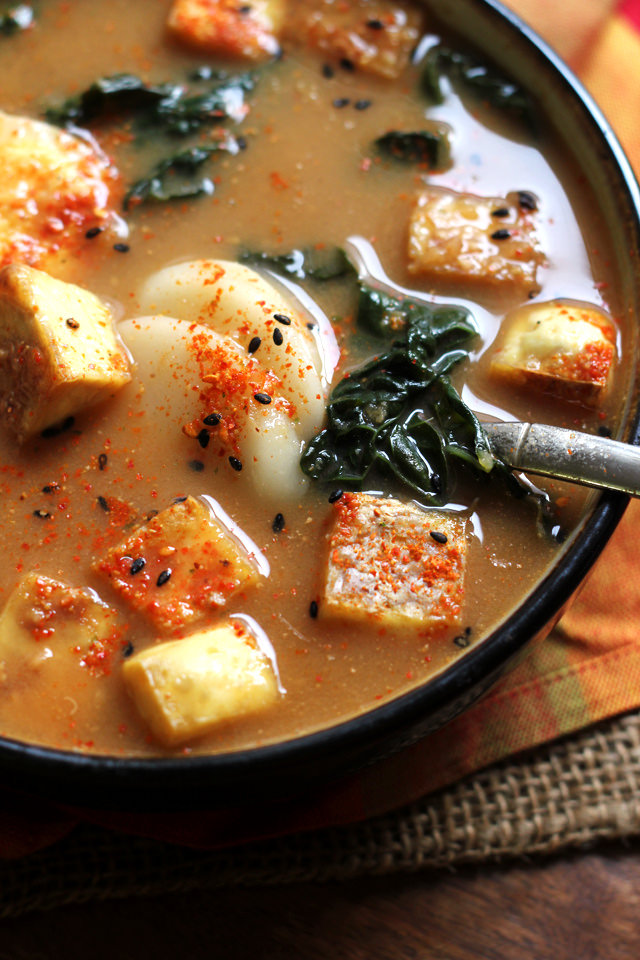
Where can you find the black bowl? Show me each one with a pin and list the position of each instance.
(286, 769)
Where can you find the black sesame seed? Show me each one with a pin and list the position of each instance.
(334, 496)
(138, 564)
(254, 343)
(362, 104)
(203, 438)
(58, 428)
(121, 247)
(127, 650)
(501, 234)
(313, 609)
(42, 514)
(327, 71)
(501, 212)
(311, 326)
(245, 8)
(212, 420)
(347, 64)
(151, 515)
(262, 398)
(241, 143)
(178, 500)
(277, 337)
(559, 534)
(341, 102)
(437, 536)
(278, 523)
(102, 501)
(604, 431)
(93, 232)
(462, 641)
(282, 318)
(235, 463)
(102, 461)
(375, 24)
(71, 323)
(196, 465)
(163, 576)
(50, 488)
(527, 200)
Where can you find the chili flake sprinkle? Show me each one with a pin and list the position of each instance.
(163, 576)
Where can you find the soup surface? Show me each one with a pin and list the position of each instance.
(298, 169)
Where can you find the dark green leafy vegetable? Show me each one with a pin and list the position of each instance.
(323, 263)
(481, 80)
(427, 147)
(165, 105)
(170, 111)
(400, 414)
(15, 19)
(371, 422)
(174, 178)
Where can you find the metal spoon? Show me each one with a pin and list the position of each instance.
(541, 449)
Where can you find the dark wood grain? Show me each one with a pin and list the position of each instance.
(584, 906)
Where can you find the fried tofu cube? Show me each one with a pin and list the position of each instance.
(227, 28)
(460, 238)
(58, 350)
(53, 187)
(377, 37)
(45, 618)
(394, 563)
(560, 347)
(180, 567)
(184, 688)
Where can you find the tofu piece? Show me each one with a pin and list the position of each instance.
(460, 238)
(53, 188)
(45, 618)
(180, 567)
(376, 36)
(184, 688)
(227, 28)
(384, 564)
(560, 347)
(58, 350)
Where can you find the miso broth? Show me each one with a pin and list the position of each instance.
(305, 176)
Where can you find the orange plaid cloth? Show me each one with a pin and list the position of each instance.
(589, 667)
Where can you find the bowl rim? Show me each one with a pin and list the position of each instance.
(165, 783)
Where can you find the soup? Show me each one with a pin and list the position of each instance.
(174, 581)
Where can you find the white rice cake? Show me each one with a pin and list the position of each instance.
(560, 347)
(480, 241)
(58, 350)
(395, 564)
(186, 687)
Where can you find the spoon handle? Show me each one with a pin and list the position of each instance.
(567, 455)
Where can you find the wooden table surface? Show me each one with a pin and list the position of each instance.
(577, 906)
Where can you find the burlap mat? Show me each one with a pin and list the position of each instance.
(566, 794)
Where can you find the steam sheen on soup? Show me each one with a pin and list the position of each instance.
(175, 312)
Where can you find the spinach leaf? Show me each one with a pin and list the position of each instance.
(16, 18)
(370, 419)
(312, 263)
(172, 179)
(427, 147)
(481, 80)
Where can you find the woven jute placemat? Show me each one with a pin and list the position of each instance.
(565, 794)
